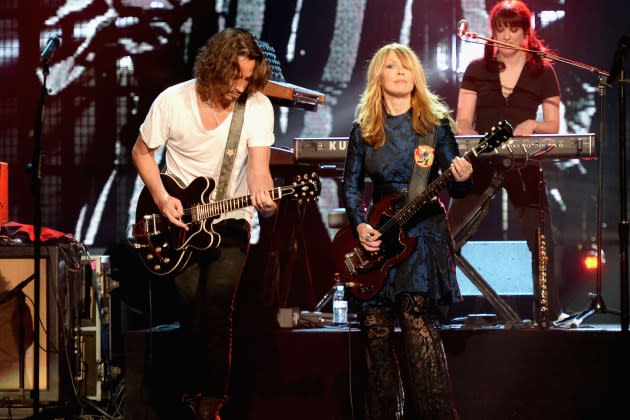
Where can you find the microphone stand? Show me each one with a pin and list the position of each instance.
(617, 73)
(543, 54)
(623, 221)
(597, 301)
(35, 168)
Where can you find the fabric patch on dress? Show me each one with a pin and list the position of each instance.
(423, 155)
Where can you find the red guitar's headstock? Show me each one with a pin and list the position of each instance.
(497, 135)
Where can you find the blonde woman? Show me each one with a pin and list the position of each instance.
(401, 124)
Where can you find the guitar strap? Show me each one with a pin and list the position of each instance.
(420, 175)
(231, 146)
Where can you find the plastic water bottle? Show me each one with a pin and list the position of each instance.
(340, 306)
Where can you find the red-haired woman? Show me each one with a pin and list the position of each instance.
(510, 83)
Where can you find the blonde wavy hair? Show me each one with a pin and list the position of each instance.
(427, 109)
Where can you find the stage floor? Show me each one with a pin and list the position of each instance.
(316, 373)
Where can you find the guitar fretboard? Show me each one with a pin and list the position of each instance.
(206, 211)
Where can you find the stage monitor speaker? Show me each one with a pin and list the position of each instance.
(505, 265)
(17, 315)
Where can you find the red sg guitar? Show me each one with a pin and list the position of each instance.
(365, 272)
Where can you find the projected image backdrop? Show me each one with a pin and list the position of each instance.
(117, 55)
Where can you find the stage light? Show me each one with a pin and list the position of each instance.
(579, 263)
(589, 260)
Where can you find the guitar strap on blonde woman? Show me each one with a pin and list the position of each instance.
(231, 147)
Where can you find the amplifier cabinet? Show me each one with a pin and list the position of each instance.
(17, 286)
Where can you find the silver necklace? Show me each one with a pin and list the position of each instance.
(214, 115)
(216, 120)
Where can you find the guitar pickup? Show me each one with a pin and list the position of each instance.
(349, 264)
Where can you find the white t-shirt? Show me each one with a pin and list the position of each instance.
(192, 150)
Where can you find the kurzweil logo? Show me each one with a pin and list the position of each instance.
(337, 145)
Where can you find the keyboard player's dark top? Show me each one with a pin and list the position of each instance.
(532, 88)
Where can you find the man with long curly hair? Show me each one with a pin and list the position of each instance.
(193, 120)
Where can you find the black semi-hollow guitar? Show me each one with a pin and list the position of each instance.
(165, 248)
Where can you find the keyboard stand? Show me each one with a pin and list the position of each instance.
(462, 233)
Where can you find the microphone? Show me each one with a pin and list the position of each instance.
(462, 28)
(49, 49)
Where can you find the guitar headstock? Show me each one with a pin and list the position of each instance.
(498, 135)
(307, 187)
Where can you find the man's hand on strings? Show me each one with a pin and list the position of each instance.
(172, 209)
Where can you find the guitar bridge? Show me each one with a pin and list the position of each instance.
(151, 224)
(355, 262)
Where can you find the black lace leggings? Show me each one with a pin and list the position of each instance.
(416, 385)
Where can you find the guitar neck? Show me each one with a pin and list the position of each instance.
(432, 190)
(217, 208)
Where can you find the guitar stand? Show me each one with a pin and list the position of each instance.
(281, 278)
(297, 244)
(460, 237)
